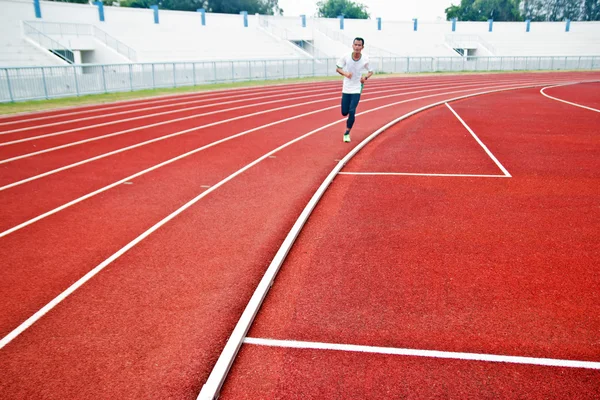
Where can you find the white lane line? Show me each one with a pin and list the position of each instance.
(131, 177)
(138, 174)
(203, 95)
(39, 314)
(210, 390)
(57, 300)
(142, 127)
(565, 101)
(489, 153)
(423, 174)
(160, 99)
(127, 112)
(141, 117)
(197, 128)
(59, 133)
(547, 362)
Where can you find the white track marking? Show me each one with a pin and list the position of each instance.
(489, 153)
(565, 101)
(197, 128)
(420, 174)
(105, 188)
(138, 174)
(44, 136)
(39, 314)
(195, 95)
(547, 362)
(210, 390)
(243, 91)
(283, 250)
(59, 133)
(126, 112)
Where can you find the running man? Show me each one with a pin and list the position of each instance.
(350, 67)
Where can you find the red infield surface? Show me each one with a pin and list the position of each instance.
(131, 246)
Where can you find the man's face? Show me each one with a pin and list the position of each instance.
(357, 46)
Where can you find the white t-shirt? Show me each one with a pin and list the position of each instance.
(348, 64)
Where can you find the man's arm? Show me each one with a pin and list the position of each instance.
(343, 73)
(364, 78)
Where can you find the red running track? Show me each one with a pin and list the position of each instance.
(153, 321)
(500, 266)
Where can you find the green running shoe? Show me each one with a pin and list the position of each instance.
(347, 137)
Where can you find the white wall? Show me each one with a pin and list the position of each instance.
(180, 36)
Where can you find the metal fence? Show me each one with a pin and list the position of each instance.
(34, 83)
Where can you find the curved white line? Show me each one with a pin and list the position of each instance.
(210, 390)
(173, 134)
(66, 111)
(105, 188)
(283, 250)
(565, 101)
(118, 121)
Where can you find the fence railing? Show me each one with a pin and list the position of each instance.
(45, 41)
(68, 29)
(32, 83)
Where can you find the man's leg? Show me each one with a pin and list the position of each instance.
(354, 99)
(346, 100)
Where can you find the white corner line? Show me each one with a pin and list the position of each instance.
(423, 174)
(489, 153)
(565, 101)
(547, 362)
(210, 390)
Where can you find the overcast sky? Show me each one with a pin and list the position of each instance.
(392, 10)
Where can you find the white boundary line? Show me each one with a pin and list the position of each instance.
(44, 174)
(419, 174)
(210, 390)
(201, 97)
(283, 249)
(100, 106)
(170, 121)
(124, 180)
(395, 87)
(565, 101)
(211, 101)
(547, 362)
(489, 153)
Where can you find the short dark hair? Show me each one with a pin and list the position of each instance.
(359, 38)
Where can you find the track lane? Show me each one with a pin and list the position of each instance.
(81, 185)
(19, 169)
(153, 346)
(8, 122)
(400, 287)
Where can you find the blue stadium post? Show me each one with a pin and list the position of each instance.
(303, 18)
(491, 27)
(415, 24)
(568, 27)
(341, 18)
(202, 12)
(37, 9)
(155, 8)
(378, 24)
(100, 10)
(245, 14)
(528, 26)
(453, 24)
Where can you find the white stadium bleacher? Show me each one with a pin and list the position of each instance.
(180, 36)
(69, 51)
